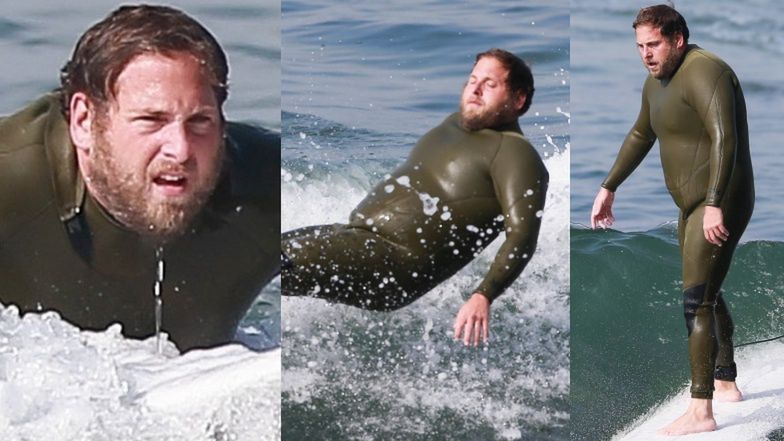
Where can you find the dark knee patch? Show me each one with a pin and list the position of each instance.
(285, 262)
(692, 299)
(726, 373)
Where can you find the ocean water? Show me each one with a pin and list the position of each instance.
(629, 339)
(361, 83)
(607, 78)
(59, 383)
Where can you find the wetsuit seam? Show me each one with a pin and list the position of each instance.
(499, 146)
(713, 190)
(384, 238)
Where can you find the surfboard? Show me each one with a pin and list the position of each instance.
(201, 377)
(760, 379)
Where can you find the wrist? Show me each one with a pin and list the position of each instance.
(482, 295)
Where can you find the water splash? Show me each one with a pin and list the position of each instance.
(159, 273)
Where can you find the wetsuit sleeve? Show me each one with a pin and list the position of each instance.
(520, 180)
(635, 146)
(712, 95)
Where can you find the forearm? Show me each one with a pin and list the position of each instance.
(633, 150)
(522, 223)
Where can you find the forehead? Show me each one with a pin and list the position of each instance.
(164, 78)
(646, 32)
(491, 68)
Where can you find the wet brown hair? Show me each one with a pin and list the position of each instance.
(669, 21)
(519, 78)
(107, 47)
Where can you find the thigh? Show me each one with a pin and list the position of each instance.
(703, 262)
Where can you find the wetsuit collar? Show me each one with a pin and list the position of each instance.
(68, 184)
(689, 48)
(513, 126)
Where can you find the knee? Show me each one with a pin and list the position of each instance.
(694, 301)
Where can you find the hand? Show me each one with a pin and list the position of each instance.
(472, 320)
(713, 226)
(601, 214)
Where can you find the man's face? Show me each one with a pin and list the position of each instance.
(486, 101)
(157, 151)
(659, 54)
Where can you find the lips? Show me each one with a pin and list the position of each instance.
(171, 180)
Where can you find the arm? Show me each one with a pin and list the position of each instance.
(520, 181)
(711, 92)
(635, 147)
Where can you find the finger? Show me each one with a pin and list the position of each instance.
(714, 238)
(721, 235)
(469, 329)
(711, 236)
(724, 230)
(477, 332)
(486, 330)
(459, 322)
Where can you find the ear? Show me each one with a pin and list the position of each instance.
(679, 43)
(520, 100)
(80, 124)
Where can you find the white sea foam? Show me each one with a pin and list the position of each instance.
(60, 383)
(405, 363)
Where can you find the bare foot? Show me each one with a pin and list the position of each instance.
(698, 418)
(726, 391)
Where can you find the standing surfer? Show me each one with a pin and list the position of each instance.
(693, 104)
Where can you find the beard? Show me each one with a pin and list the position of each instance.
(127, 197)
(668, 65)
(488, 117)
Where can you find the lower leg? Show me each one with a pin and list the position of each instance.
(724, 375)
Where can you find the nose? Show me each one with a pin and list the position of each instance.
(647, 53)
(477, 89)
(176, 145)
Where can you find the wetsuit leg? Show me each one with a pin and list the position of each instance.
(725, 356)
(352, 266)
(710, 327)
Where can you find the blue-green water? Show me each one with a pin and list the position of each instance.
(361, 83)
(629, 335)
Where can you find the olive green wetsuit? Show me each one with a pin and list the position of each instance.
(699, 117)
(453, 195)
(59, 250)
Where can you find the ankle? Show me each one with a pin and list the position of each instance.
(701, 408)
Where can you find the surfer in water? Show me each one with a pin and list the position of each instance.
(693, 104)
(130, 159)
(466, 181)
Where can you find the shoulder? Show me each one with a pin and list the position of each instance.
(517, 152)
(25, 174)
(252, 158)
(703, 66)
(27, 126)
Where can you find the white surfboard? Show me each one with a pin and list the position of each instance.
(760, 379)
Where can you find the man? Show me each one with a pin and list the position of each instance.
(129, 178)
(693, 103)
(469, 179)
